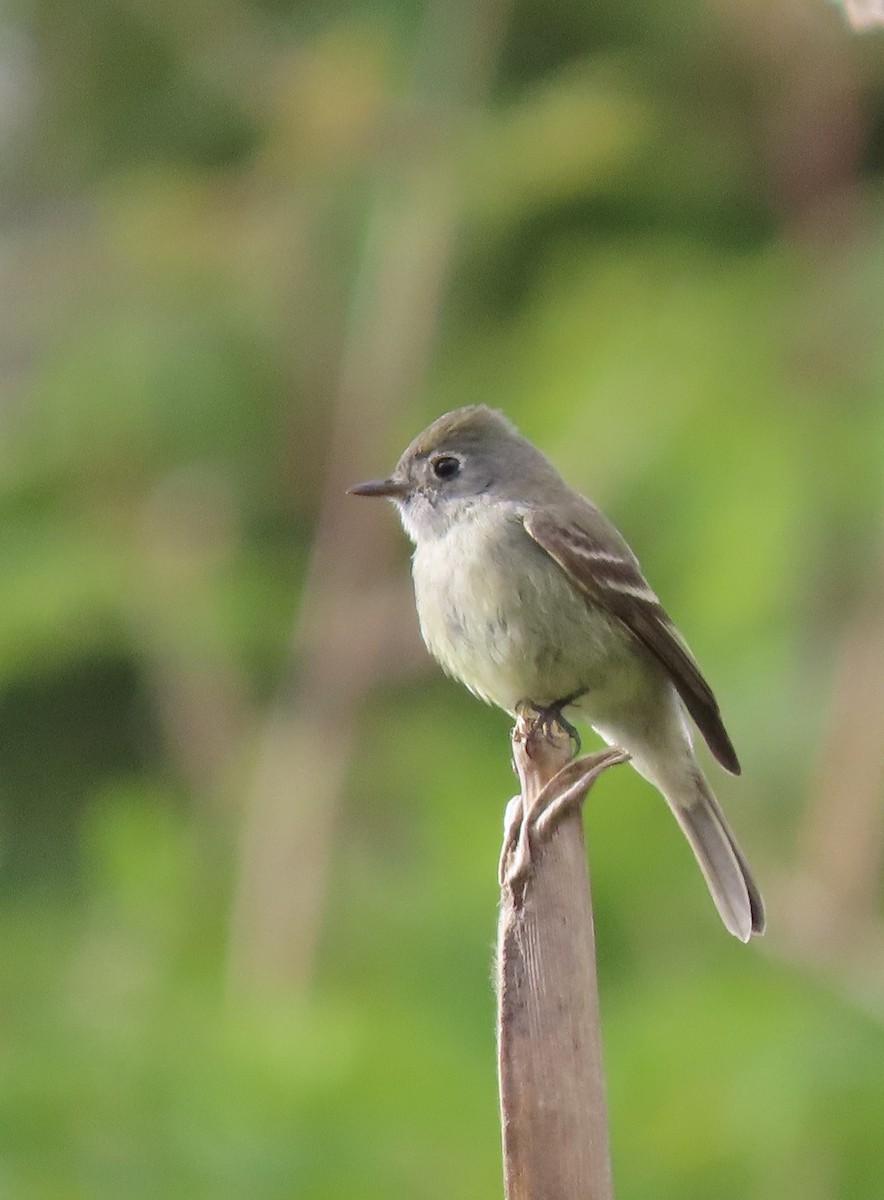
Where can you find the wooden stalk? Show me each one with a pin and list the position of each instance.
(552, 1099)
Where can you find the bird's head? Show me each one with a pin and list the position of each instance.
(467, 457)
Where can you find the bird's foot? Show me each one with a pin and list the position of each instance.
(526, 828)
(542, 720)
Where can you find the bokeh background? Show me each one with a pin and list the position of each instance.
(249, 834)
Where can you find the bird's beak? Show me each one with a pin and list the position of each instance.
(396, 488)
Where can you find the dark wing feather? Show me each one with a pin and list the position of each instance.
(602, 566)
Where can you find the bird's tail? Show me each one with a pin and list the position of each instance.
(726, 871)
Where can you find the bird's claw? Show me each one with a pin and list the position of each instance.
(543, 719)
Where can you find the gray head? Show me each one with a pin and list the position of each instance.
(467, 457)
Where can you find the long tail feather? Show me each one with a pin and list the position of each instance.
(724, 867)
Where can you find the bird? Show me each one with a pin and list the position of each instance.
(529, 595)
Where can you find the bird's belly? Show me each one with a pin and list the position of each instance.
(514, 633)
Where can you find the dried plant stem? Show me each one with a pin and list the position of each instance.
(553, 1115)
(341, 641)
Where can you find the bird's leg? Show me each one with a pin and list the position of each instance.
(556, 714)
(546, 716)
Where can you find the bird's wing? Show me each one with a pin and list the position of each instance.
(601, 565)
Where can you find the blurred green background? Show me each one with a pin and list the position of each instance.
(248, 832)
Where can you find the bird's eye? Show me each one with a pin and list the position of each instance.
(446, 466)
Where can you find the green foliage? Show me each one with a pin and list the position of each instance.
(667, 268)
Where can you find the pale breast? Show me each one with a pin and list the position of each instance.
(500, 615)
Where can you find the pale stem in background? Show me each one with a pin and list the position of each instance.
(342, 633)
(843, 839)
(864, 14)
(830, 904)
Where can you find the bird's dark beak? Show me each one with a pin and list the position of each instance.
(396, 488)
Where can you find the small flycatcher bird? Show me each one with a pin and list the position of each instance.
(529, 595)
